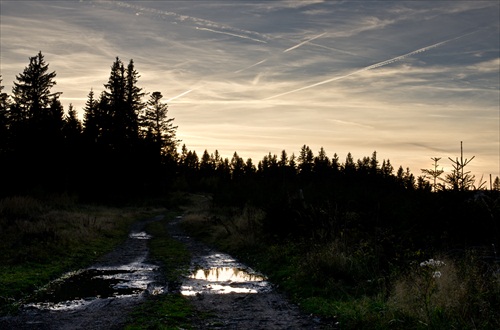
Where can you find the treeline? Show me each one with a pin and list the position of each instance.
(124, 146)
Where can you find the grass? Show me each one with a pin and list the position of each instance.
(170, 310)
(345, 281)
(41, 240)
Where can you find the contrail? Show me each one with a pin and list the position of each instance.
(304, 42)
(351, 123)
(335, 49)
(231, 34)
(182, 94)
(251, 66)
(197, 22)
(373, 66)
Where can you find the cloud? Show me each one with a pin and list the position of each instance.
(373, 66)
(218, 81)
(199, 23)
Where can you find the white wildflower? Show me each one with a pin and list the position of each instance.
(432, 263)
(437, 274)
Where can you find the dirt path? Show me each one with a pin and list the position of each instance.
(133, 277)
(263, 309)
(126, 270)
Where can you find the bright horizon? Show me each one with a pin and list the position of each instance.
(408, 79)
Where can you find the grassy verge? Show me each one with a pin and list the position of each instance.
(41, 240)
(171, 310)
(349, 282)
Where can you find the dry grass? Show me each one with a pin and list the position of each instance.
(233, 228)
(456, 294)
(40, 240)
(421, 293)
(32, 230)
(346, 280)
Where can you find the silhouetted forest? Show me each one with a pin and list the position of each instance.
(126, 148)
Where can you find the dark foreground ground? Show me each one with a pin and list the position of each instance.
(267, 309)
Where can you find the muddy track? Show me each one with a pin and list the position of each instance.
(258, 307)
(132, 274)
(264, 308)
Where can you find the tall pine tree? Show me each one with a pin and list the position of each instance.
(156, 123)
(36, 127)
(31, 93)
(4, 119)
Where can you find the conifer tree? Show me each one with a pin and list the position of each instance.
(349, 166)
(306, 158)
(133, 99)
(434, 173)
(36, 125)
(335, 163)
(249, 168)
(53, 121)
(31, 93)
(207, 166)
(374, 163)
(292, 163)
(91, 118)
(72, 125)
(237, 166)
(496, 184)
(283, 159)
(321, 162)
(386, 168)
(115, 95)
(4, 119)
(155, 120)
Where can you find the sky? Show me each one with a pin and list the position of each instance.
(407, 79)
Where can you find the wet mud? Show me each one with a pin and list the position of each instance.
(99, 297)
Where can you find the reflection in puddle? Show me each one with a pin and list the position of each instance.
(80, 288)
(222, 274)
(139, 235)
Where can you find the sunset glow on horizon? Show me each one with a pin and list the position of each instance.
(407, 79)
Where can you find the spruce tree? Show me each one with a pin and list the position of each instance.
(91, 118)
(133, 100)
(349, 166)
(306, 159)
(72, 125)
(36, 127)
(115, 95)
(4, 118)
(155, 120)
(31, 93)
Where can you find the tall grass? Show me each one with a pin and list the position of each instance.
(346, 278)
(41, 239)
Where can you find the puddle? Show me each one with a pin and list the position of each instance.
(80, 288)
(221, 274)
(139, 235)
(77, 289)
